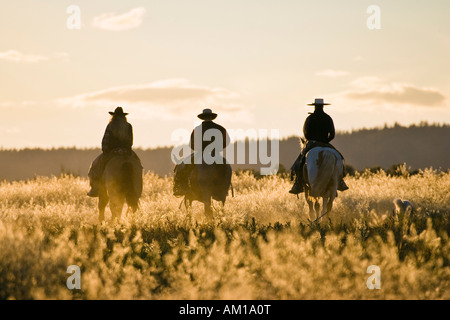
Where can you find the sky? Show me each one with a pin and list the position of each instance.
(257, 63)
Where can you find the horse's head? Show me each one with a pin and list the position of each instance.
(402, 206)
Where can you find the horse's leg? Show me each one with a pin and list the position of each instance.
(317, 207)
(132, 204)
(132, 198)
(330, 205)
(326, 206)
(328, 201)
(134, 207)
(187, 204)
(208, 209)
(325, 202)
(102, 202)
(116, 205)
(312, 214)
(188, 207)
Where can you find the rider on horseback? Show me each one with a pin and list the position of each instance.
(318, 131)
(198, 143)
(118, 137)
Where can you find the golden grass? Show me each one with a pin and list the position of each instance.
(260, 246)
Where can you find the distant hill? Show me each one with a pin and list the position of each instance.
(28, 163)
(420, 146)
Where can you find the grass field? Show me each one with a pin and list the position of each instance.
(260, 246)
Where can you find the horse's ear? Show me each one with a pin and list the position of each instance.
(175, 160)
(302, 141)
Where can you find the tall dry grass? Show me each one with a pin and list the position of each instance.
(259, 246)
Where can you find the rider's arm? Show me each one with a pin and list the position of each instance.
(331, 130)
(226, 138)
(306, 129)
(130, 136)
(191, 140)
(106, 139)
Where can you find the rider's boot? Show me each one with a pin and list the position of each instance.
(95, 173)
(179, 190)
(94, 190)
(342, 186)
(298, 186)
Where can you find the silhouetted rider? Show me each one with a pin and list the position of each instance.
(208, 116)
(118, 136)
(202, 137)
(319, 126)
(318, 130)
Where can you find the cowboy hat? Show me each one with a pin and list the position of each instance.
(118, 112)
(318, 102)
(207, 114)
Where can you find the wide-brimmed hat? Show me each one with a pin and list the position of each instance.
(207, 114)
(318, 102)
(118, 112)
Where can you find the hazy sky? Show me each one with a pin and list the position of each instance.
(256, 62)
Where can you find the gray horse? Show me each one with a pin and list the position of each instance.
(323, 170)
(122, 183)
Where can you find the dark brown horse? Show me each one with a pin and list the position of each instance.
(207, 182)
(122, 183)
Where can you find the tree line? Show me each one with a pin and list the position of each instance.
(419, 146)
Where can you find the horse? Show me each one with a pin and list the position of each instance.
(207, 182)
(322, 170)
(122, 182)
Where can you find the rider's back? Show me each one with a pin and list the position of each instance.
(118, 134)
(319, 127)
(199, 132)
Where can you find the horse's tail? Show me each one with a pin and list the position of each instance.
(326, 166)
(129, 184)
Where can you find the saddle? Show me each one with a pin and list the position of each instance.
(184, 173)
(121, 152)
(298, 164)
(313, 144)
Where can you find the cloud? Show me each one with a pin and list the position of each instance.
(5, 104)
(16, 56)
(332, 73)
(167, 91)
(62, 56)
(125, 21)
(166, 99)
(372, 89)
(9, 131)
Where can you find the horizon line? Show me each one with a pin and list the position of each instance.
(421, 124)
